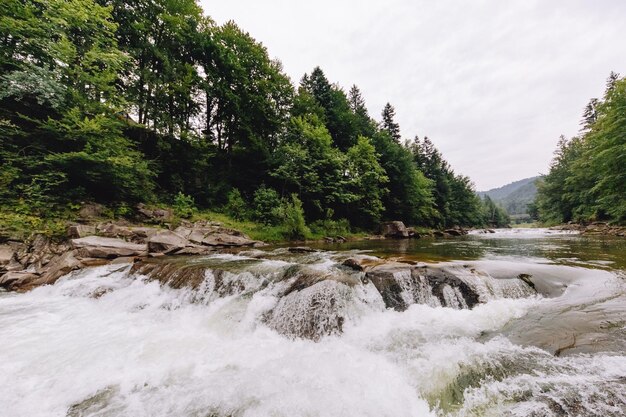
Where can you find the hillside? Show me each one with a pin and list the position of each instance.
(514, 197)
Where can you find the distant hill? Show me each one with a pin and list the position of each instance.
(514, 197)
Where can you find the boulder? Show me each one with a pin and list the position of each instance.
(134, 234)
(76, 231)
(6, 254)
(155, 215)
(91, 211)
(106, 247)
(58, 267)
(394, 229)
(353, 263)
(300, 249)
(14, 280)
(166, 242)
(455, 232)
(222, 239)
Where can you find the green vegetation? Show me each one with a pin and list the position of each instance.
(151, 102)
(587, 178)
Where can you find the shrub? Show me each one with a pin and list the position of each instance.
(329, 227)
(235, 205)
(294, 223)
(267, 207)
(184, 205)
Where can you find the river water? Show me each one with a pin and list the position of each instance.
(245, 340)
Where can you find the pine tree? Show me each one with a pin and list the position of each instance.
(389, 124)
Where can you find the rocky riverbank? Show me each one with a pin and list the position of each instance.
(596, 228)
(41, 260)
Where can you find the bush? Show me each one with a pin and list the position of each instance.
(235, 205)
(184, 205)
(267, 207)
(329, 227)
(294, 223)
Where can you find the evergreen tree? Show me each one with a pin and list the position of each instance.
(389, 124)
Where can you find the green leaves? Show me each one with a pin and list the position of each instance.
(587, 178)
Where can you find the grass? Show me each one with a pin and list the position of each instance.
(274, 234)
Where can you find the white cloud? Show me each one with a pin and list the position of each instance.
(493, 83)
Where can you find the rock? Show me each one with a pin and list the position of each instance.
(300, 249)
(14, 280)
(455, 232)
(403, 285)
(222, 239)
(106, 247)
(6, 254)
(394, 229)
(167, 242)
(91, 211)
(355, 264)
(58, 267)
(155, 215)
(438, 233)
(77, 231)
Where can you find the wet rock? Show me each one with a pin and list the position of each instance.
(301, 249)
(353, 263)
(77, 231)
(58, 267)
(401, 286)
(105, 247)
(312, 312)
(395, 229)
(455, 232)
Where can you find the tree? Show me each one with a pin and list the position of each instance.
(366, 183)
(389, 124)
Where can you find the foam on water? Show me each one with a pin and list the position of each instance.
(102, 342)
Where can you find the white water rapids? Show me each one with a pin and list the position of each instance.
(103, 342)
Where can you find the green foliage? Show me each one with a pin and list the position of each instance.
(332, 228)
(587, 178)
(267, 206)
(294, 223)
(214, 119)
(236, 206)
(184, 205)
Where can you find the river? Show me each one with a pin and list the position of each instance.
(275, 332)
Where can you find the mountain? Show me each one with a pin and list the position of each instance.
(514, 197)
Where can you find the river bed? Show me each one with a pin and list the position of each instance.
(110, 341)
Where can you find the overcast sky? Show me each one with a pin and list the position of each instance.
(493, 83)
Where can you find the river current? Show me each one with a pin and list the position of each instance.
(546, 338)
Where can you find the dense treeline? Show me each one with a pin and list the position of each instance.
(587, 178)
(125, 102)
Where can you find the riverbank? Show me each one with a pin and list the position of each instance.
(596, 228)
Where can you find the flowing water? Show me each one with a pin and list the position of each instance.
(516, 323)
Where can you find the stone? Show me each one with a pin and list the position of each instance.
(91, 211)
(222, 239)
(155, 215)
(300, 249)
(355, 264)
(395, 229)
(58, 267)
(77, 231)
(6, 254)
(106, 247)
(14, 280)
(166, 242)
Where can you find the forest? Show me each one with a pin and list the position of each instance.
(152, 102)
(587, 177)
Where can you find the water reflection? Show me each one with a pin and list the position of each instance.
(535, 245)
